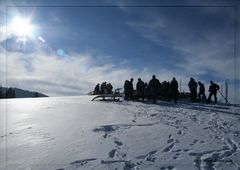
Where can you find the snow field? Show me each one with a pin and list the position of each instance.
(68, 133)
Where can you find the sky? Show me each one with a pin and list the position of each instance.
(68, 47)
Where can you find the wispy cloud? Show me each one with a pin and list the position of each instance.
(73, 75)
(206, 49)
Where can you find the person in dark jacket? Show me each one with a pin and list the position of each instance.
(97, 89)
(140, 89)
(154, 85)
(104, 88)
(201, 93)
(131, 89)
(147, 91)
(174, 90)
(109, 88)
(127, 90)
(193, 89)
(166, 90)
(213, 88)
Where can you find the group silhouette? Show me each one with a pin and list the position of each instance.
(167, 90)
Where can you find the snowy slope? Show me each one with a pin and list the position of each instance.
(75, 133)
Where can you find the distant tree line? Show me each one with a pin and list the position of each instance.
(7, 93)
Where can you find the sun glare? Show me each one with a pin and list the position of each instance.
(21, 27)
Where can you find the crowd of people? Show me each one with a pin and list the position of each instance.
(156, 90)
(104, 88)
(153, 90)
(213, 88)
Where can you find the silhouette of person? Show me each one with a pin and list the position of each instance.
(193, 89)
(131, 89)
(213, 88)
(201, 94)
(109, 88)
(174, 90)
(154, 84)
(104, 88)
(147, 91)
(127, 90)
(140, 89)
(97, 89)
(166, 90)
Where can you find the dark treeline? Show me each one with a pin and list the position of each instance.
(9, 92)
(167, 90)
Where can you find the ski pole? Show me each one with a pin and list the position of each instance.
(223, 96)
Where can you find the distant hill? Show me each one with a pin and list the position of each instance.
(20, 93)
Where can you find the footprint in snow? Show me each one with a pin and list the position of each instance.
(153, 115)
(195, 142)
(79, 163)
(176, 156)
(170, 140)
(105, 135)
(112, 153)
(168, 148)
(180, 132)
(170, 167)
(106, 128)
(119, 143)
(148, 157)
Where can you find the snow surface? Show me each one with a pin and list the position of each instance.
(64, 133)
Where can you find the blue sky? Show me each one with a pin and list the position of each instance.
(72, 47)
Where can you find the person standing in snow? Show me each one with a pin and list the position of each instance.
(131, 89)
(193, 89)
(166, 90)
(147, 91)
(127, 90)
(102, 88)
(109, 88)
(140, 87)
(174, 90)
(97, 89)
(213, 88)
(201, 94)
(154, 84)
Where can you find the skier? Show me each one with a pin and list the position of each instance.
(154, 84)
(140, 89)
(201, 94)
(193, 89)
(213, 88)
(174, 90)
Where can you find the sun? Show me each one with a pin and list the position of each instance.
(21, 27)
